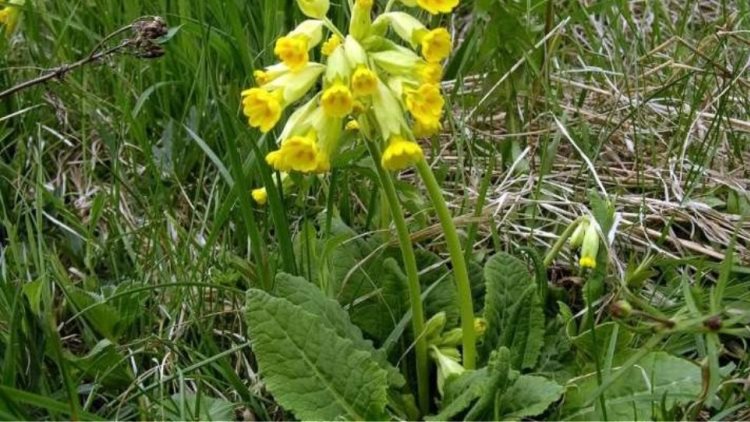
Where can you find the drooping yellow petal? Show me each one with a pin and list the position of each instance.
(438, 6)
(400, 154)
(337, 100)
(425, 103)
(292, 51)
(330, 45)
(364, 82)
(436, 45)
(262, 108)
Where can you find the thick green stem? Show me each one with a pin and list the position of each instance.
(460, 272)
(412, 277)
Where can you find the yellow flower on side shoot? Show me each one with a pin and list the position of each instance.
(330, 45)
(425, 104)
(438, 6)
(337, 100)
(292, 51)
(590, 247)
(436, 45)
(260, 196)
(364, 82)
(400, 154)
(262, 108)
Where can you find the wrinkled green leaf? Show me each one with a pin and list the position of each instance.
(460, 393)
(309, 368)
(513, 310)
(657, 377)
(309, 297)
(529, 396)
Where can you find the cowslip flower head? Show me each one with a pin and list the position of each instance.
(337, 100)
(316, 9)
(364, 82)
(436, 45)
(590, 246)
(297, 153)
(262, 108)
(437, 6)
(400, 154)
(425, 103)
(292, 51)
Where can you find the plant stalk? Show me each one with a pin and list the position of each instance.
(412, 277)
(460, 271)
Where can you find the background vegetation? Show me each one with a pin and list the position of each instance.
(126, 184)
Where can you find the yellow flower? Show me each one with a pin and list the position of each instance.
(365, 4)
(330, 45)
(260, 196)
(262, 108)
(337, 100)
(401, 153)
(590, 247)
(424, 129)
(425, 103)
(292, 51)
(261, 77)
(9, 15)
(314, 8)
(364, 82)
(298, 153)
(436, 45)
(352, 125)
(480, 326)
(438, 6)
(430, 73)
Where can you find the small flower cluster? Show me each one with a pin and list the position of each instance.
(10, 14)
(368, 83)
(586, 237)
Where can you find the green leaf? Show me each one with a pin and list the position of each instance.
(638, 393)
(584, 343)
(309, 297)
(104, 363)
(460, 393)
(529, 396)
(310, 369)
(513, 310)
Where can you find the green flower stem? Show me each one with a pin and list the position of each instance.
(412, 277)
(460, 272)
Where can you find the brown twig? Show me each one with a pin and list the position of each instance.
(146, 30)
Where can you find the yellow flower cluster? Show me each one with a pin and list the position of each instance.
(387, 90)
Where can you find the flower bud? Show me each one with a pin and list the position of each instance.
(451, 338)
(576, 239)
(406, 26)
(621, 309)
(359, 26)
(435, 325)
(480, 326)
(315, 9)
